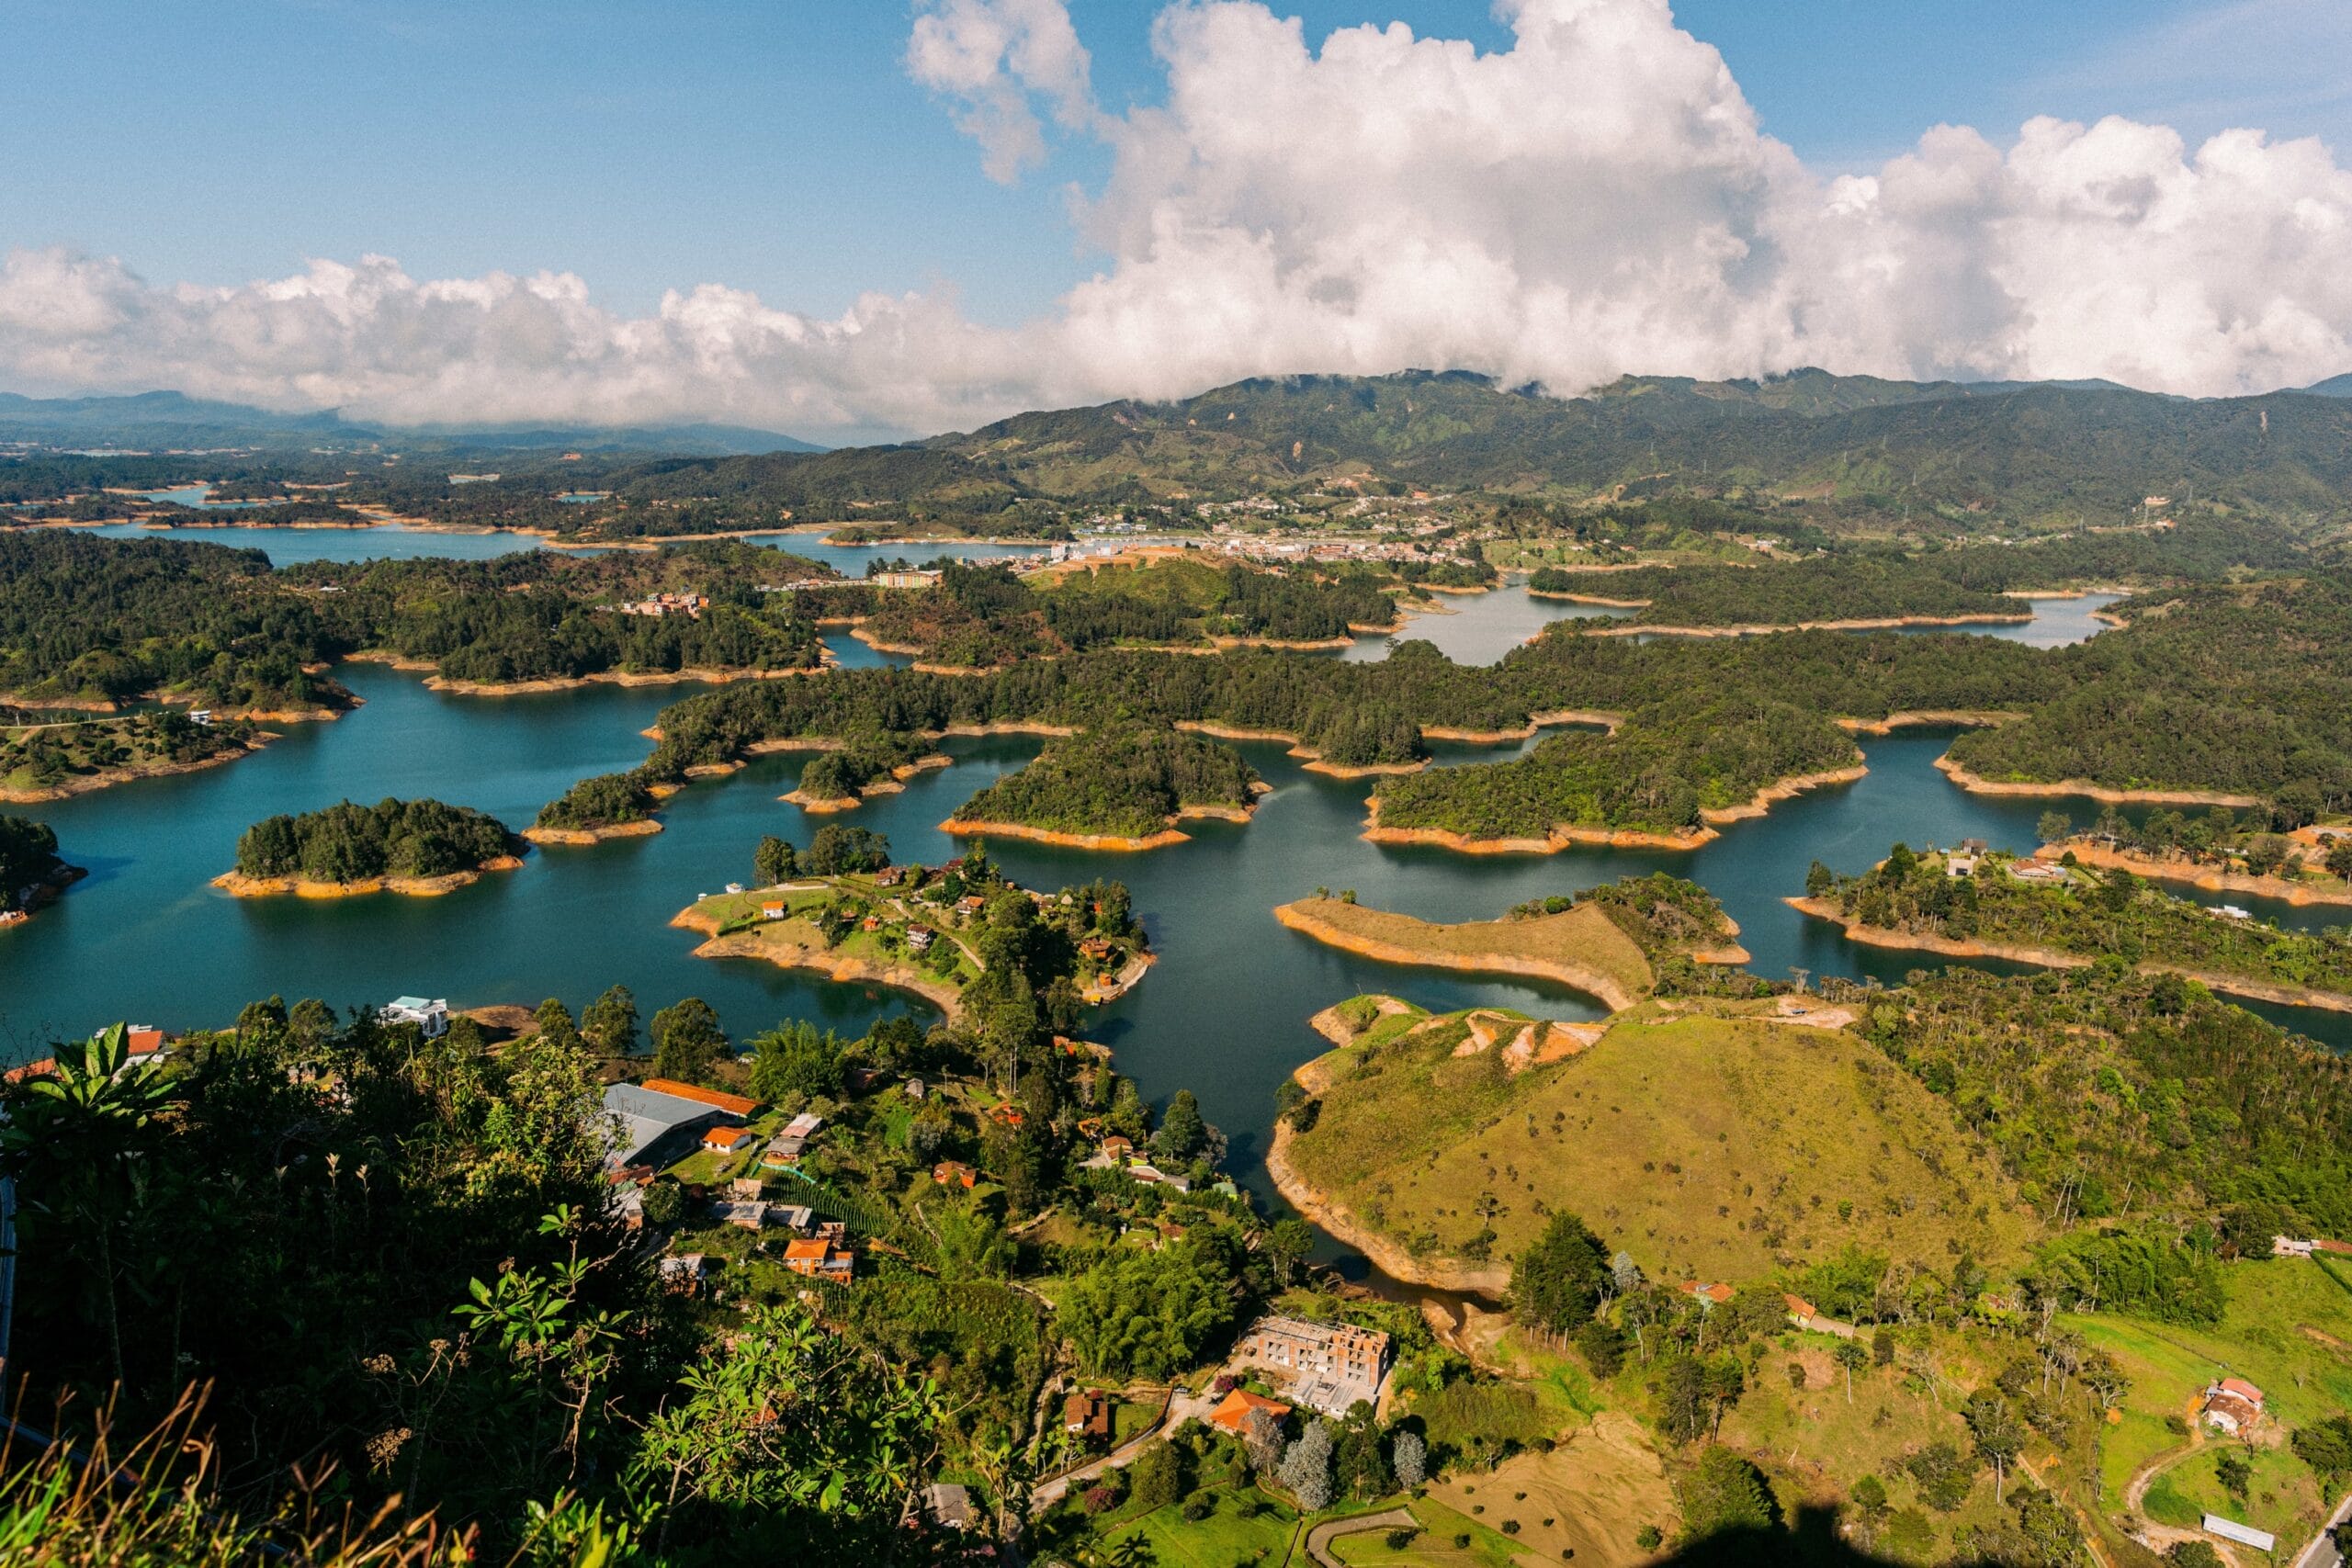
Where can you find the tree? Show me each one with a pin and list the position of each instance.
(610, 1022)
(83, 1126)
(1262, 1440)
(2193, 1554)
(555, 1023)
(1999, 1435)
(2053, 826)
(2325, 1446)
(1882, 1346)
(1602, 1345)
(686, 1040)
(1683, 1404)
(797, 1061)
(1849, 1354)
(1181, 1130)
(838, 851)
(774, 861)
(1558, 1280)
(1148, 1314)
(664, 1203)
(1818, 880)
(1287, 1241)
(1157, 1477)
(2339, 859)
(2233, 1470)
(1305, 1470)
(1409, 1456)
(1363, 1457)
(1870, 1507)
(1943, 1477)
(1725, 1493)
(837, 1474)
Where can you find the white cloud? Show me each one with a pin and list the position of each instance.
(1595, 199)
(991, 56)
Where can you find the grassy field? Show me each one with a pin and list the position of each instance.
(2288, 1331)
(1588, 1497)
(1448, 1539)
(1582, 937)
(739, 913)
(1667, 1134)
(1247, 1527)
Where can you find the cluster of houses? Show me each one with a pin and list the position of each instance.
(690, 606)
(1117, 1152)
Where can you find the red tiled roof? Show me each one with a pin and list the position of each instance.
(1233, 1414)
(2243, 1389)
(733, 1103)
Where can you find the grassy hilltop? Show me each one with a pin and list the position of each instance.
(1722, 1144)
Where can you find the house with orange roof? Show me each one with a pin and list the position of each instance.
(1233, 1413)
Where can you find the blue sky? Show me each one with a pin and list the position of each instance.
(777, 145)
(189, 189)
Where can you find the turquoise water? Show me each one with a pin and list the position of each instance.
(1223, 1013)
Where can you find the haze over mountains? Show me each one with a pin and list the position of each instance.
(2030, 446)
(173, 420)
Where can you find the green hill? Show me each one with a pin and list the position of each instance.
(1719, 1144)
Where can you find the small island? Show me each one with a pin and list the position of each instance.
(610, 805)
(841, 908)
(1114, 788)
(1666, 778)
(418, 846)
(1977, 903)
(1847, 593)
(31, 873)
(843, 777)
(1609, 942)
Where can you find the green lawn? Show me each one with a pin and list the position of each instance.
(2285, 1330)
(1441, 1528)
(1247, 1527)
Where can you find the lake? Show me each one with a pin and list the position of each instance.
(145, 938)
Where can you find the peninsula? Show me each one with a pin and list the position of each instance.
(1672, 1119)
(1607, 944)
(421, 847)
(1979, 904)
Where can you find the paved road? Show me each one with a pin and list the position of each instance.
(1323, 1534)
(2322, 1552)
(1182, 1407)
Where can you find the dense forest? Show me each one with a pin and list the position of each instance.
(1115, 780)
(357, 843)
(41, 757)
(106, 620)
(1949, 583)
(2091, 914)
(1656, 772)
(984, 617)
(2233, 687)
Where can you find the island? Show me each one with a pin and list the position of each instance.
(2216, 852)
(1610, 942)
(841, 908)
(1666, 778)
(845, 775)
(609, 806)
(1977, 903)
(31, 872)
(1439, 1144)
(419, 847)
(1119, 787)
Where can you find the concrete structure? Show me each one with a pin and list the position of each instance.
(949, 1505)
(2244, 1534)
(1330, 1366)
(431, 1017)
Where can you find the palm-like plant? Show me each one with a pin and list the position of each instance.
(71, 1139)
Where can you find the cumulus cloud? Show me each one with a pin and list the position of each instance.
(1597, 199)
(991, 57)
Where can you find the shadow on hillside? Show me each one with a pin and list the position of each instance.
(1810, 1538)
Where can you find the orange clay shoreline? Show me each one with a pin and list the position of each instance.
(765, 946)
(2209, 878)
(2084, 788)
(1115, 842)
(238, 884)
(1562, 835)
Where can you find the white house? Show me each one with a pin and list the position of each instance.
(431, 1017)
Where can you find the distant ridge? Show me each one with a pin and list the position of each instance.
(165, 418)
(2334, 387)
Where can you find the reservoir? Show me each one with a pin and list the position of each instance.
(1224, 1012)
